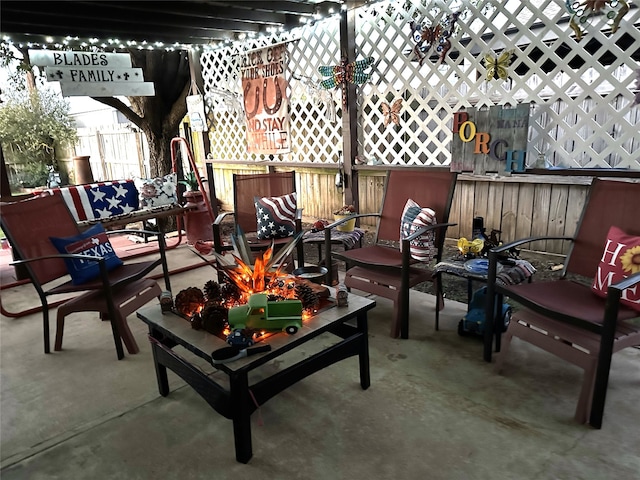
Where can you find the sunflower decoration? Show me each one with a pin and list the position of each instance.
(630, 260)
(467, 247)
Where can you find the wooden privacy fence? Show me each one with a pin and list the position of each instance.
(519, 206)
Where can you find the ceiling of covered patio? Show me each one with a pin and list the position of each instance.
(191, 22)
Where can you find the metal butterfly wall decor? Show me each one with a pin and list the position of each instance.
(344, 73)
(581, 11)
(497, 65)
(392, 112)
(436, 37)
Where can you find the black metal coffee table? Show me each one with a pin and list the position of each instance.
(240, 399)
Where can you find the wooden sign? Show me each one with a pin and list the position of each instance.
(92, 74)
(98, 74)
(493, 140)
(52, 58)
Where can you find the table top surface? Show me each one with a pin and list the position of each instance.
(202, 343)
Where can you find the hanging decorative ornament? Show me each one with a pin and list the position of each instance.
(319, 96)
(345, 73)
(497, 65)
(581, 11)
(433, 37)
(636, 101)
(391, 112)
(230, 100)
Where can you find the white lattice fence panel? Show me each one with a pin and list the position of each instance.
(580, 92)
(316, 133)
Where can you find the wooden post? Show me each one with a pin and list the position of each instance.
(350, 107)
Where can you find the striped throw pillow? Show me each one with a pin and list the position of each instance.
(413, 218)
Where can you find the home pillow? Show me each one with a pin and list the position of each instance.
(621, 258)
(93, 242)
(156, 192)
(413, 218)
(276, 216)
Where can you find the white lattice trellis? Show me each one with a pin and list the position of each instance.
(580, 91)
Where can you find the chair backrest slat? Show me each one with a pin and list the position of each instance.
(28, 225)
(246, 187)
(610, 203)
(429, 187)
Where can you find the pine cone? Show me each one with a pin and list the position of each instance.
(230, 292)
(188, 301)
(212, 292)
(214, 318)
(307, 296)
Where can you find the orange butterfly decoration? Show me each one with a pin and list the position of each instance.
(391, 112)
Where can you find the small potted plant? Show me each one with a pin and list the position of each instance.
(343, 212)
(193, 193)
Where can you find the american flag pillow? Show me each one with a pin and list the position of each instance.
(415, 217)
(276, 216)
(95, 201)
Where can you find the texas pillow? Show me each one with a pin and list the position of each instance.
(276, 216)
(621, 258)
(91, 242)
(413, 218)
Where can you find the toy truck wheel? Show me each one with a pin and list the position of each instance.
(506, 319)
(291, 329)
(461, 331)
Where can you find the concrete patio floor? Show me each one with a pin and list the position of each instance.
(434, 410)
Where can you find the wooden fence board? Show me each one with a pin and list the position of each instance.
(465, 216)
(540, 215)
(557, 216)
(575, 204)
(493, 217)
(509, 212)
(524, 217)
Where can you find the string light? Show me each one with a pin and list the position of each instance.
(94, 43)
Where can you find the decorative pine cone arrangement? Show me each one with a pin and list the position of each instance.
(307, 296)
(188, 301)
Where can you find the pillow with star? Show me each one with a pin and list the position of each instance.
(276, 216)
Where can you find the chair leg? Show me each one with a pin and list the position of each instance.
(439, 297)
(57, 346)
(583, 408)
(126, 335)
(395, 320)
(502, 356)
(117, 340)
(45, 327)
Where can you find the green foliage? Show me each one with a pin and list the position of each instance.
(190, 181)
(31, 124)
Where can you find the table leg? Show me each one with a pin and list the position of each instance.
(241, 416)
(161, 370)
(363, 355)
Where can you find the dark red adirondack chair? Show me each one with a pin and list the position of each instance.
(115, 293)
(383, 269)
(564, 316)
(246, 187)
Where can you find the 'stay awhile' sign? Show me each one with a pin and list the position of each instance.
(493, 140)
(92, 74)
(266, 104)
